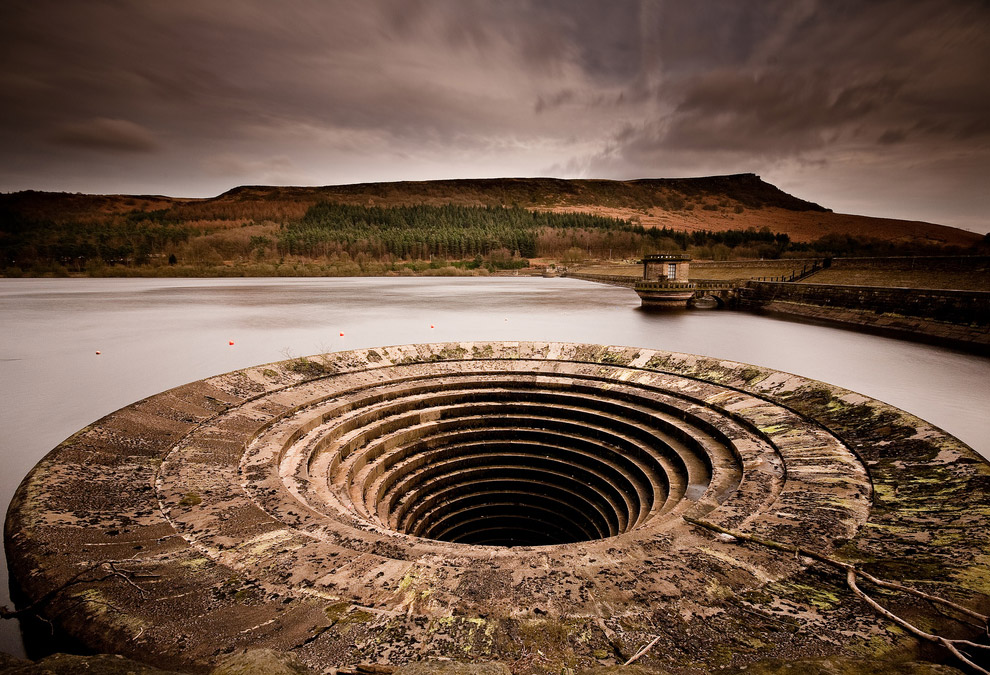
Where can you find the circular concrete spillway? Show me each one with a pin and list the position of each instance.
(490, 501)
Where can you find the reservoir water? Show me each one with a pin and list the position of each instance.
(153, 334)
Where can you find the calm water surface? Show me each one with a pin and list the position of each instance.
(160, 333)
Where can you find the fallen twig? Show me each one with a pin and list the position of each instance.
(643, 650)
(78, 578)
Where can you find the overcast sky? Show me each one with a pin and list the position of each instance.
(865, 106)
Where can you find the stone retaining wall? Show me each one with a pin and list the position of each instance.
(960, 317)
(959, 307)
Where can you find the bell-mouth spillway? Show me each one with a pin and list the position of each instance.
(415, 501)
(502, 457)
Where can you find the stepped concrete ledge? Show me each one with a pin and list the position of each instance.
(513, 502)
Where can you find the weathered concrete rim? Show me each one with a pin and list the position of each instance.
(216, 572)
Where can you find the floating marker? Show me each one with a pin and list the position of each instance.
(97, 353)
(431, 325)
(341, 335)
(230, 342)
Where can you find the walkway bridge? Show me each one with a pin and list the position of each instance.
(666, 283)
(722, 291)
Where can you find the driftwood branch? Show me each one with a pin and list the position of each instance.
(643, 650)
(951, 645)
(852, 572)
(128, 576)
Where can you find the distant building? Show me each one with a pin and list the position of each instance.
(665, 282)
(669, 266)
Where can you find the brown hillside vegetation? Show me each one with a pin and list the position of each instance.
(716, 203)
(800, 226)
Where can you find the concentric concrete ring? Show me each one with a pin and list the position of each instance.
(440, 500)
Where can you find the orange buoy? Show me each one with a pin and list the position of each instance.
(431, 325)
(230, 342)
(341, 335)
(97, 353)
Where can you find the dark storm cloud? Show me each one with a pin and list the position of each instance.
(803, 79)
(771, 113)
(106, 134)
(805, 92)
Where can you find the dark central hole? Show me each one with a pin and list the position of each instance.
(527, 463)
(510, 513)
(517, 494)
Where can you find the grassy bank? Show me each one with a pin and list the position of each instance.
(961, 280)
(420, 268)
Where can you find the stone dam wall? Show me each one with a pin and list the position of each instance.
(957, 317)
(954, 317)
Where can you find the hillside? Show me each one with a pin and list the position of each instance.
(711, 203)
(737, 216)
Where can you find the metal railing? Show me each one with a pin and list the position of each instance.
(795, 275)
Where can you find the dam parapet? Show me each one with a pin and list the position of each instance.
(956, 317)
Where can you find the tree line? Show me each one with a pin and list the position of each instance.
(352, 239)
(25, 242)
(459, 232)
(416, 232)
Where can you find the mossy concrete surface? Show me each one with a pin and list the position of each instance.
(164, 532)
